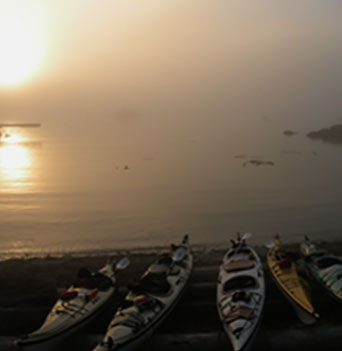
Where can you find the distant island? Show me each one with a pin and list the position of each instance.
(330, 135)
(258, 163)
(289, 132)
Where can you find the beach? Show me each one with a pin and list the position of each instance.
(30, 288)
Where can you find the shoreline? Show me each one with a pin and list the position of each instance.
(330, 236)
(30, 287)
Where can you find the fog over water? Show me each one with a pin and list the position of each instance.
(149, 112)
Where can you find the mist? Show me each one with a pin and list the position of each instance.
(180, 63)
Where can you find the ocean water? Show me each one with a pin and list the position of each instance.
(85, 190)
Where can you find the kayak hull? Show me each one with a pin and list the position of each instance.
(284, 273)
(146, 335)
(304, 316)
(144, 308)
(325, 268)
(60, 325)
(54, 340)
(241, 329)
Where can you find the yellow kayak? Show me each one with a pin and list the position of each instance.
(293, 286)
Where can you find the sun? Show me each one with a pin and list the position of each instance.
(22, 40)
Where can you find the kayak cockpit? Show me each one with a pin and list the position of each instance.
(155, 279)
(234, 266)
(88, 280)
(326, 262)
(240, 282)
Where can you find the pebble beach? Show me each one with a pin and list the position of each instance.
(30, 288)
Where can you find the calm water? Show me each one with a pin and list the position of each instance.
(68, 190)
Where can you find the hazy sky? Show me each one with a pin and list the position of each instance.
(195, 61)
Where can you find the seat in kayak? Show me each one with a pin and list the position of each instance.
(238, 265)
(239, 312)
(155, 282)
(240, 282)
(102, 282)
(284, 263)
(241, 295)
(85, 279)
(165, 260)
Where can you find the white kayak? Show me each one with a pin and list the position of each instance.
(76, 306)
(240, 293)
(150, 302)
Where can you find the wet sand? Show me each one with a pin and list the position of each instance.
(30, 287)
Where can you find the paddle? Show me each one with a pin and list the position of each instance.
(246, 236)
(269, 244)
(240, 241)
(179, 254)
(122, 264)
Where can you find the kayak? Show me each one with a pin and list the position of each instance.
(149, 302)
(292, 284)
(240, 293)
(77, 305)
(324, 267)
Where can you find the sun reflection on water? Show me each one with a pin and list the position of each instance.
(15, 166)
(12, 139)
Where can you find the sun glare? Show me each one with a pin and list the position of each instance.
(14, 162)
(12, 139)
(22, 40)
